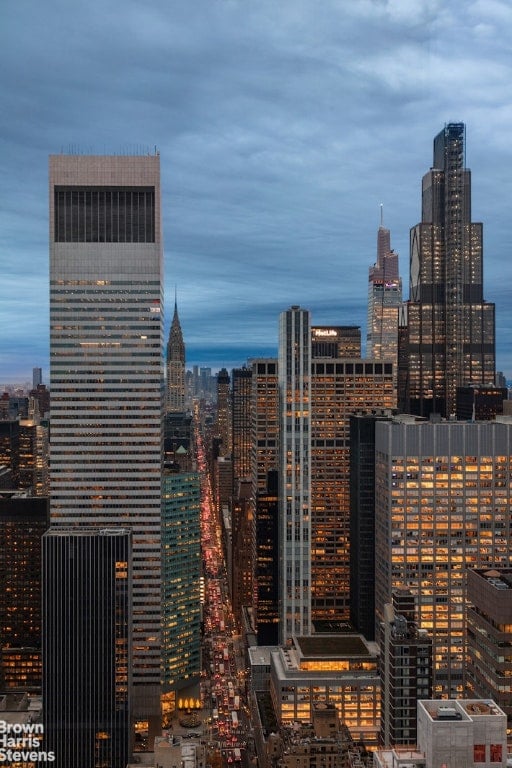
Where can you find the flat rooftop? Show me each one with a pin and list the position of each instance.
(499, 579)
(461, 709)
(342, 645)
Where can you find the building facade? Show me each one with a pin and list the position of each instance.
(362, 521)
(294, 372)
(223, 427)
(406, 670)
(458, 733)
(384, 300)
(106, 340)
(181, 586)
(450, 336)
(489, 630)
(443, 494)
(87, 605)
(336, 670)
(339, 388)
(23, 521)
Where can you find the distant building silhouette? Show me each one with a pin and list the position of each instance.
(384, 300)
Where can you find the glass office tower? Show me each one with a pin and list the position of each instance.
(450, 335)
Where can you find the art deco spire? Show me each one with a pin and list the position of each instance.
(175, 365)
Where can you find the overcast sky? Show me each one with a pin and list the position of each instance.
(282, 125)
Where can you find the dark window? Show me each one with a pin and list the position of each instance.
(104, 214)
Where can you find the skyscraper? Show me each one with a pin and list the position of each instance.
(181, 585)
(175, 401)
(264, 472)
(23, 520)
(87, 576)
(294, 373)
(449, 335)
(241, 403)
(384, 299)
(339, 388)
(223, 427)
(106, 373)
(442, 498)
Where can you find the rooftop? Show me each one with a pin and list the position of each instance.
(332, 646)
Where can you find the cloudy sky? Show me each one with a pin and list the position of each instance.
(282, 125)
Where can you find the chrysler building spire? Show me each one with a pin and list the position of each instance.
(175, 400)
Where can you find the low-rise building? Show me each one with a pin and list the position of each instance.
(333, 669)
(457, 733)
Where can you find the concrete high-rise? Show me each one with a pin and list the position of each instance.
(175, 399)
(106, 341)
(294, 372)
(384, 300)
(443, 492)
(448, 336)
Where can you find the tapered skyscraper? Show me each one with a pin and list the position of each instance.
(106, 372)
(384, 300)
(447, 339)
(175, 366)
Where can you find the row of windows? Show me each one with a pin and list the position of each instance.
(104, 214)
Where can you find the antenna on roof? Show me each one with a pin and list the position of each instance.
(382, 214)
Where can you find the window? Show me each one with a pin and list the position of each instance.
(104, 214)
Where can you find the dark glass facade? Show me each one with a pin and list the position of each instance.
(86, 651)
(267, 555)
(362, 523)
(451, 329)
(85, 214)
(22, 524)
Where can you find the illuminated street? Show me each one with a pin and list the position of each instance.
(224, 676)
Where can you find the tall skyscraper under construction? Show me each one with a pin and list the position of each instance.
(447, 337)
(106, 346)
